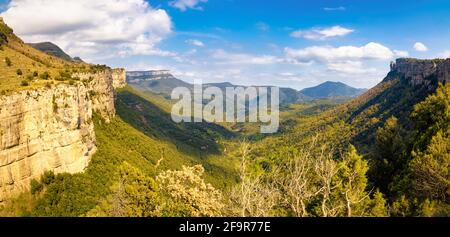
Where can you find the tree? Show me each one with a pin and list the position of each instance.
(388, 158)
(297, 182)
(254, 196)
(134, 195)
(432, 115)
(430, 170)
(377, 206)
(354, 182)
(187, 187)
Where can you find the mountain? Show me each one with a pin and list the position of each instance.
(54, 50)
(162, 82)
(155, 82)
(332, 89)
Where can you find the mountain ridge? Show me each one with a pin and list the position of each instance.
(165, 85)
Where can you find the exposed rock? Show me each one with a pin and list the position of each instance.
(51, 129)
(422, 72)
(119, 77)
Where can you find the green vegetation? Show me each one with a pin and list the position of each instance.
(385, 153)
(8, 62)
(24, 83)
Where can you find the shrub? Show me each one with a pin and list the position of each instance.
(44, 76)
(8, 62)
(35, 74)
(24, 83)
(36, 186)
(48, 177)
(19, 72)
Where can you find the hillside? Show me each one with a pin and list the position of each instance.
(51, 49)
(332, 89)
(24, 67)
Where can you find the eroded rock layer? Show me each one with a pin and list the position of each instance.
(51, 129)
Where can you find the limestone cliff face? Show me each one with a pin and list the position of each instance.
(51, 129)
(119, 78)
(423, 72)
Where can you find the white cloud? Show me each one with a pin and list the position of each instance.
(401, 54)
(350, 67)
(322, 33)
(184, 5)
(420, 47)
(89, 28)
(225, 57)
(341, 8)
(344, 59)
(327, 53)
(195, 42)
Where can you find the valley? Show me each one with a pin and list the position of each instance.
(91, 141)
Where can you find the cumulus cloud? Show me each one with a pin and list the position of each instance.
(327, 53)
(195, 42)
(322, 33)
(420, 47)
(89, 28)
(184, 5)
(346, 59)
(225, 57)
(401, 54)
(350, 67)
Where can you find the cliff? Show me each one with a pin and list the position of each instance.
(422, 72)
(51, 129)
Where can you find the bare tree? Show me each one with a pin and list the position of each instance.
(254, 196)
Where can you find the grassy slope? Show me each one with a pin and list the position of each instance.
(28, 60)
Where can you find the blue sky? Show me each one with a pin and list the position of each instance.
(291, 43)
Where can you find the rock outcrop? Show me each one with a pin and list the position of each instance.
(422, 72)
(51, 129)
(119, 77)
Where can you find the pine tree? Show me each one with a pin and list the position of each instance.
(430, 169)
(388, 158)
(354, 182)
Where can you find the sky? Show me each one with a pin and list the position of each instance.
(288, 43)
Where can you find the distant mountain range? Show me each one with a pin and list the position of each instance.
(162, 82)
(54, 50)
(332, 89)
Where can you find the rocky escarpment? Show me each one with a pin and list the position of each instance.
(119, 77)
(422, 72)
(51, 129)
